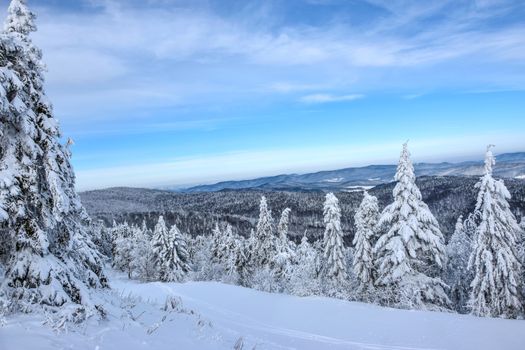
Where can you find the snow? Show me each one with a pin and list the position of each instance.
(357, 188)
(224, 313)
(335, 179)
(520, 177)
